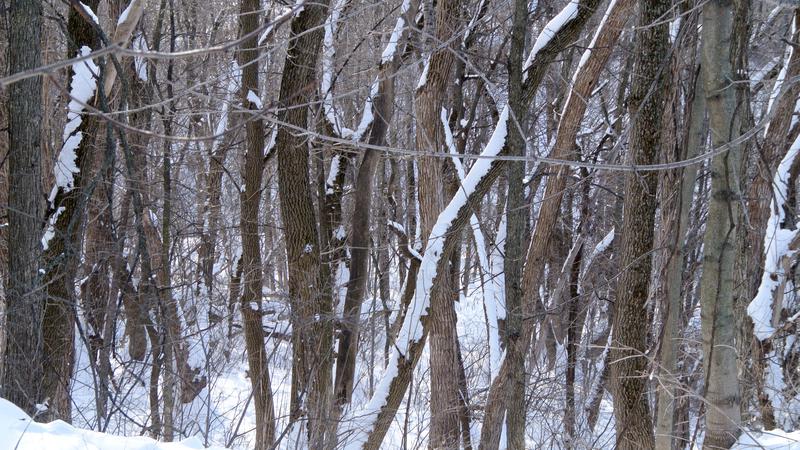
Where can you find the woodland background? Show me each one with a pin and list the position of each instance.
(397, 224)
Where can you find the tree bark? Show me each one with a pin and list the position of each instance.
(312, 309)
(252, 270)
(22, 371)
(382, 109)
(64, 249)
(428, 102)
(634, 423)
(719, 243)
(516, 223)
(678, 208)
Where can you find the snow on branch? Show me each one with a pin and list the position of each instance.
(411, 331)
(588, 52)
(779, 246)
(82, 90)
(494, 292)
(328, 55)
(550, 30)
(89, 11)
(388, 55)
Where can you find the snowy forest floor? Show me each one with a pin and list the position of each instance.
(222, 416)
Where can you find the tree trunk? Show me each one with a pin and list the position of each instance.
(22, 371)
(312, 325)
(540, 243)
(428, 102)
(634, 424)
(252, 271)
(63, 252)
(516, 223)
(679, 207)
(382, 105)
(717, 284)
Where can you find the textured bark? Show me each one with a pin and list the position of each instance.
(634, 423)
(573, 334)
(312, 325)
(63, 252)
(516, 222)
(169, 315)
(213, 206)
(24, 300)
(99, 304)
(677, 208)
(146, 297)
(252, 271)
(428, 102)
(717, 284)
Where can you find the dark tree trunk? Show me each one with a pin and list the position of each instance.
(312, 308)
(22, 371)
(629, 365)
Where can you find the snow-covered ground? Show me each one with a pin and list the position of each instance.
(18, 431)
(773, 440)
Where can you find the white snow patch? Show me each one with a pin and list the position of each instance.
(776, 247)
(139, 62)
(124, 16)
(551, 29)
(770, 440)
(253, 98)
(674, 28)
(423, 79)
(90, 12)
(331, 181)
(271, 142)
(22, 433)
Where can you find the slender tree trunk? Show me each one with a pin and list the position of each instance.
(717, 284)
(382, 109)
(252, 271)
(540, 242)
(669, 376)
(517, 217)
